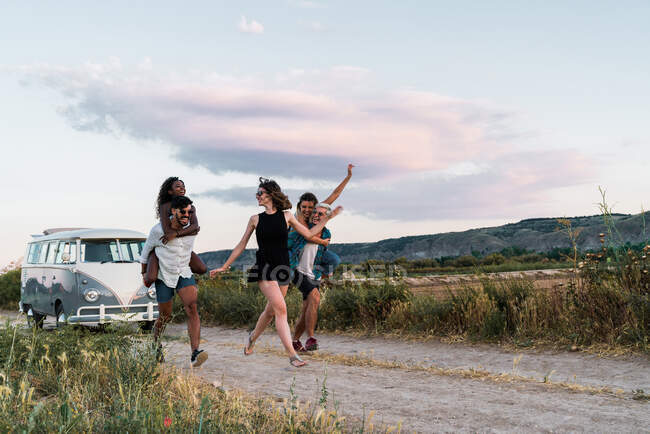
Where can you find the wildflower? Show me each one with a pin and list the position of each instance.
(167, 421)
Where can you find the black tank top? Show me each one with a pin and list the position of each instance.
(272, 236)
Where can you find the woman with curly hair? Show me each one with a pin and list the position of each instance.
(170, 188)
(271, 270)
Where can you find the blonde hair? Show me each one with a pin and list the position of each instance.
(326, 206)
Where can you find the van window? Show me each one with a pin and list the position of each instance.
(42, 254)
(34, 253)
(99, 251)
(67, 253)
(51, 253)
(131, 249)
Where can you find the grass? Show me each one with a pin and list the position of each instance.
(72, 380)
(585, 312)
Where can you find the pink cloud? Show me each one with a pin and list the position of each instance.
(310, 122)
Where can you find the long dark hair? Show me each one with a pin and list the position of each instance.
(306, 197)
(279, 199)
(163, 194)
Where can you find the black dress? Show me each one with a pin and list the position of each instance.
(272, 256)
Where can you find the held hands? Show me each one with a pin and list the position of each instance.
(219, 270)
(146, 281)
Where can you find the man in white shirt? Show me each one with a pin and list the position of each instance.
(175, 275)
(302, 257)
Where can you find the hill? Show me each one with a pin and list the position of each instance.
(537, 234)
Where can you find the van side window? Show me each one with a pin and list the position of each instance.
(34, 252)
(51, 253)
(59, 253)
(42, 254)
(67, 253)
(73, 253)
(131, 249)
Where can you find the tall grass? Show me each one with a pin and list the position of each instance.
(76, 381)
(588, 310)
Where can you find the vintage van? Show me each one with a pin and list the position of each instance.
(87, 277)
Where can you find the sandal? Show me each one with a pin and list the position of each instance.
(296, 361)
(248, 347)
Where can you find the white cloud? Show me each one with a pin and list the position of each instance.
(251, 26)
(407, 145)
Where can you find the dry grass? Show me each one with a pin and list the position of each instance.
(74, 381)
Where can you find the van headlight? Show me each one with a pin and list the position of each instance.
(91, 295)
(151, 292)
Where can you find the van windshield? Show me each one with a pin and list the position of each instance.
(99, 251)
(110, 250)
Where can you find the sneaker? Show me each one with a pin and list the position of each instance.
(297, 345)
(198, 357)
(311, 344)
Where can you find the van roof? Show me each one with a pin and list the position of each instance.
(92, 233)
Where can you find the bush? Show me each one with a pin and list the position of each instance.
(493, 259)
(466, 261)
(10, 290)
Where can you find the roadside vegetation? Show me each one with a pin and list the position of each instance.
(606, 301)
(71, 380)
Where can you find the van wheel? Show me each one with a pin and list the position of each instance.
(59, 311)
(146, 326)
(36, 320)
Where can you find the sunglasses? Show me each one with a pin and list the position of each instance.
(185, 212)
(259, 192)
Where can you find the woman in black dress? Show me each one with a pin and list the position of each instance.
(271, 270)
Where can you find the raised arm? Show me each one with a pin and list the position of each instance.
(309, 233)
(338, 190)
(239, 248)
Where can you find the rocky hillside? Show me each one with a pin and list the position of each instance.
(538, 234)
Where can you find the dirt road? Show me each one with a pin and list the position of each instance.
(432, 386)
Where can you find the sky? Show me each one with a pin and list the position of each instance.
(456, 115)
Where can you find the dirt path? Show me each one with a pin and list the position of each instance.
(431, 387)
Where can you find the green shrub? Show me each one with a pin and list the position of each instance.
(10, 290)
(494, 325)
(340, 307)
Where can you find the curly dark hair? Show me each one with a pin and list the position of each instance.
(280, 200)
(306, 197)
(163, 194)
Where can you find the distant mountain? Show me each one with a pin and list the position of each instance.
(537, 234)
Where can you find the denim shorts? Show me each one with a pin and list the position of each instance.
(164, 293)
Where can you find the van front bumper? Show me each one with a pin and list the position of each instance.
(104, 314)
